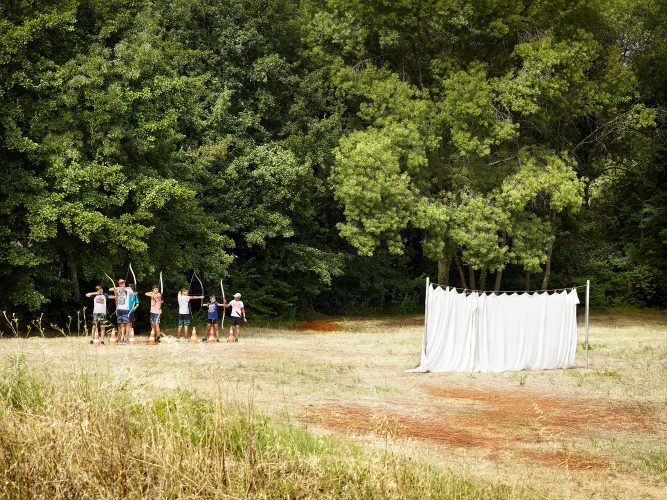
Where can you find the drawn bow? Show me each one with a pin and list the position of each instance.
(224, 309)
(113, 284)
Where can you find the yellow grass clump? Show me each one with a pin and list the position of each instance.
(81, 436)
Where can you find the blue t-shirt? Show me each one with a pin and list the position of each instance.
(213, 310)
(134, 300)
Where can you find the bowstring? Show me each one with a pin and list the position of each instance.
(189, 290)
(201, 286)
(115, 311)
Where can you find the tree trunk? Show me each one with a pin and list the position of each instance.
(482, 279)
(547, 268)
(462, 276)
(499, 277)
(471, 277)
(550, 250)
(74, 276)
(528, 281)
(443, 268)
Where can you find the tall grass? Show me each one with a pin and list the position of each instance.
(83, 436)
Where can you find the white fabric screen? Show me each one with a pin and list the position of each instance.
(495, 333)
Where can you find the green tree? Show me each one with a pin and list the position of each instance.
(471, 122)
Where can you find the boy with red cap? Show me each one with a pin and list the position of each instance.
(123, 309)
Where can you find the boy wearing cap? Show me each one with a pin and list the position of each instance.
(212, 318)
(237, 315)
(184, 316)
(122, 309)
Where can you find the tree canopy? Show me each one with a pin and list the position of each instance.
(327, 155)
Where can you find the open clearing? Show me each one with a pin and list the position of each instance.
(599, 432)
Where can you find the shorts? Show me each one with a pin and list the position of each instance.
(99, 319)
(236, 320)
(131, 316)
(155, 319)
(212, 321)
(184, 320)
(122, 317)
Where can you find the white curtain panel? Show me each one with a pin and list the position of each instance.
(494, 333)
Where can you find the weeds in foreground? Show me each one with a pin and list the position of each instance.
(82, 436)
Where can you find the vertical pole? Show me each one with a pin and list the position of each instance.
(588, 289)
(428, 286)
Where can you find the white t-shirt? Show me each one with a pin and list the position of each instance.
(237, 305)
(183, 304)
(100, 303)
(123, 298)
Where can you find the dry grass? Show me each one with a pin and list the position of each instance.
(83, 437)
(562, 433)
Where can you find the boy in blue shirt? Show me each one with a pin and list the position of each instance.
(133, 305)
(212, 319)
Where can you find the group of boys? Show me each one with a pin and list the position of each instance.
(127, 302)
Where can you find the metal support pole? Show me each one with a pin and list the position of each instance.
(428, 288)
(588, 289)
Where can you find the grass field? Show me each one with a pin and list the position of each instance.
(355, 420)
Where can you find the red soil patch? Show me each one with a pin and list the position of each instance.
(318, 326)
(511, 408)
(384, 423)
(566, 460)
(495, 420)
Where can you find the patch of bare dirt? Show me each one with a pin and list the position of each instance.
(564, 415)
(318, 326)
(493, 420)
(566, 460)
(359, 420)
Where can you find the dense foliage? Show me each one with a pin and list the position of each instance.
(325, 155)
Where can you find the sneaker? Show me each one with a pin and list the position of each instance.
(91, 342)
(102, 342)
(236, 340)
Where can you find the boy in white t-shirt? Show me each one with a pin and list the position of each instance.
(123, 310)
(184, 316)
(99, 312)
(237, 314)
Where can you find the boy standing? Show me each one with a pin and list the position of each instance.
(237, 314)
(156, 311)
(212, 318)
(122, 309)
(99, 312)
(184, 316)
(133, 306)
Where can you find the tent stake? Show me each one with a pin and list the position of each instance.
(588, 288)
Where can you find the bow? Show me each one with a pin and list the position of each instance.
(202, 290)
(134, 277)
(224, 309)
(201, 285)
(113, 283)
